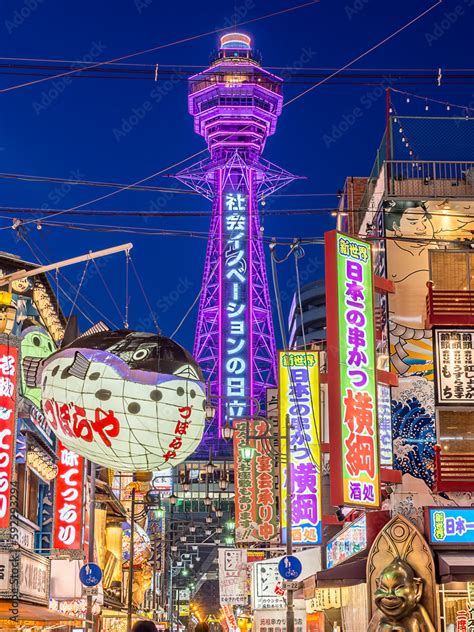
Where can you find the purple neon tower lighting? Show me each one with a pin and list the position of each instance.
(235, 104)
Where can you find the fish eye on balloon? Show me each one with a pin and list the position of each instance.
(141, 354)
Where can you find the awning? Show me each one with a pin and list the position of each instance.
(344, 574)
(34, 614)
(455, 567)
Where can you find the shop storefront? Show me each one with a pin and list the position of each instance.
(24, 592)
(450, 533)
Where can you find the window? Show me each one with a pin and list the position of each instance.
(452, 270)
(28, 492)
(456, 431)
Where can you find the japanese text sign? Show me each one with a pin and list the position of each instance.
(454, 352)
(233, 577)
(8, 388)
(69, 500)
(299, 398)
(266, 581)
(447, 526)
(234, 287)
(354, 449)
(255, 499)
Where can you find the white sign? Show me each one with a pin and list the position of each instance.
(25, 537)
(324, 599)
(32, 583)
(233, 574)
(266, 580)
(275, 620)
(454, 366)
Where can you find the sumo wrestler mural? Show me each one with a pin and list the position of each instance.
(414, 229)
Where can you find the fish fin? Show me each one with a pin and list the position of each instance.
(32, 371)
(188, 372)
(95, 329)
(79, 367)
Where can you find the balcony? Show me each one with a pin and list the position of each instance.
(454, 471)
(449, 307)
(424, 179)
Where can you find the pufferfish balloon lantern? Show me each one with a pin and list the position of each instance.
(127, 400)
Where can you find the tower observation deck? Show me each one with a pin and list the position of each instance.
(235, 104)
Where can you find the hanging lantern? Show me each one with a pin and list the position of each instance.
(126, 400)
(35, 343)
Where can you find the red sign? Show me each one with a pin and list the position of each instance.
(254, 483)
(8, 383)
(461, 621)
(69, 503)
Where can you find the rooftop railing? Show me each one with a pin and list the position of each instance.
(424, 179)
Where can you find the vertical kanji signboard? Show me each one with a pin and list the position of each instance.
(354, 450)
(256, 517)
(299, 398)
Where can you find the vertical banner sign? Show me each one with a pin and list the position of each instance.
(233, 577)
(298, 373)
(68, 501)
(8, 388)
(354, 449)
(255, 499)
(234, 289)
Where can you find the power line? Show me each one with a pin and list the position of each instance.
(156, 48)
(367, 52)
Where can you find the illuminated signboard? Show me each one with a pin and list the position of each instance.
(450, 525)
(234, 287)
(454, 354)
(299, 398)
(384, 415)
(347, 543)
(69, 500)
(354, 449)
(8, 392)
(255, 499)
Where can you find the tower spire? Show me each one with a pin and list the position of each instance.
(235, 104)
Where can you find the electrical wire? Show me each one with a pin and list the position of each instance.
(145, 296)
(44, 258)
(115, 192)
(364, 54)
(157, 48)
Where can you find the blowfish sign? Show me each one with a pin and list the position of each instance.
(299, 398)
(8, 386)
(68, 501)
(352, 368)
(130, 401)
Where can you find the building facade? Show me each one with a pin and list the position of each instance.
(417, 216)
(307, 322)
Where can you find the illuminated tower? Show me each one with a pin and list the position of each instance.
(235, 104)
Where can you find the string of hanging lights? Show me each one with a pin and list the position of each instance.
(455, 108)
(403, 138)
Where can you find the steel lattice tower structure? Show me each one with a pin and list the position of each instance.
(235, 104)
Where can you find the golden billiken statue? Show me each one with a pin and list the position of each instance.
(398, 598)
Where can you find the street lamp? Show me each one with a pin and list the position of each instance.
(173, 499)
(209, 519)
(210, 467)
(227, 431)
(247, 452)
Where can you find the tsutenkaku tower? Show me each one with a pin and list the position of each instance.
(235, 104)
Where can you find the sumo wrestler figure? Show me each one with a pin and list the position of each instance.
(398, 598)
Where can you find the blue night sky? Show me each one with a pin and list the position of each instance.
(74, 135)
